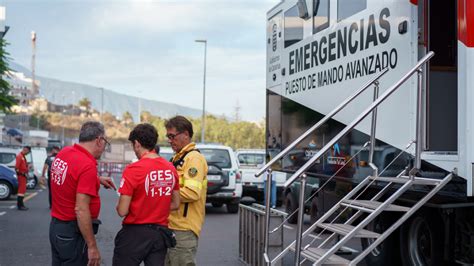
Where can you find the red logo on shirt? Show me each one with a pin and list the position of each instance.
(59, 171)
(159, 183)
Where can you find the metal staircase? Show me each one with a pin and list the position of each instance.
(324, 254)
(363, 210)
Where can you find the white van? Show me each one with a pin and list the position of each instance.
(8, 158)
(250, 161)
(224, 179)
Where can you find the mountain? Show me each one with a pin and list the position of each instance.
(64, 92)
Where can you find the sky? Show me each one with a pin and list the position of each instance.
(147, 48)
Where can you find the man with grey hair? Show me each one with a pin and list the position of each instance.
(76, 203)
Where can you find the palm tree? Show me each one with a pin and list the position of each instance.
(86, 103)
(127, 118)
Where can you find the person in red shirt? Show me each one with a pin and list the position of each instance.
(149, 190)
(75, 199)
(21, 168)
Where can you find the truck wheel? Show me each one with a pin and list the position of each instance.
(290, 207)
(422, 240)
(388, 252)
(232, 207)
(5, 190)
(313, 214)
(217, 204)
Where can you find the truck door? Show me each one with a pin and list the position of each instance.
(442, 90)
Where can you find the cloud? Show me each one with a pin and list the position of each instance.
(178, 16)
(133, 46)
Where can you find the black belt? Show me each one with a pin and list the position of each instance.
(154, 226)
(169, 236)
(63, 222)
(95, 224)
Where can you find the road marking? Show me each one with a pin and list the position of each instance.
(2, 213)
(30, 196)
(12, 207)
(5, 207)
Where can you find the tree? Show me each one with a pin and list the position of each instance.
(6, 100)
(127, 118)
(146, 117)
(85, 103)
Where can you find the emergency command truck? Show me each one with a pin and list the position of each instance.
(401, 178)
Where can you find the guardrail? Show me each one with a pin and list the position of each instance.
(110, 168)
(252, 233)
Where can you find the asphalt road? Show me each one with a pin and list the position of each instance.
(24, 234)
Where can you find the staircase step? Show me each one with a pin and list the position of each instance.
(371, 205)
(344, 229)
(404, 179)
(313, 254)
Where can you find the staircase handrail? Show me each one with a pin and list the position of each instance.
(356, 121)
(321, 122)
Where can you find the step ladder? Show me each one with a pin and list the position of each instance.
(324, 254)
(365, 211)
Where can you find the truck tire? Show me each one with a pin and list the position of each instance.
(422, 240)
(217, 204)
(388, 252)
(5, 190)
(232, 207)
(290, 207)
(313, 214)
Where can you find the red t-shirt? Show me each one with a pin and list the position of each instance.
(150, 182)
(74, 170)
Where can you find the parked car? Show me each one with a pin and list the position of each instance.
(224, 179)
(38, 155)
(8, 156)
(8, 182)
(166, 152)
(250, 161)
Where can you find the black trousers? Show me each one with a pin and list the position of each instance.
(137, 243)
(49, 191)
(68, 247)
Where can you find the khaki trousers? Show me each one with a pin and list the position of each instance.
(184, 254)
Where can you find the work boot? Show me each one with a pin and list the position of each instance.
(21, 206)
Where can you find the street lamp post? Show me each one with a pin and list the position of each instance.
(203, 92)
(102, 104)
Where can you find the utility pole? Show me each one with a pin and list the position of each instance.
(139, 107)
(63, 122)
(33, 59)
(237, 111)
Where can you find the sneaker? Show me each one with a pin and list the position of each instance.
(22, 208)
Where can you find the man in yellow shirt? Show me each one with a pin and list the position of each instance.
(186, 222)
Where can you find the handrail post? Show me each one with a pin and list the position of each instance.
(373, 125)
(267, 211)
(419, 129)
(299, 230)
